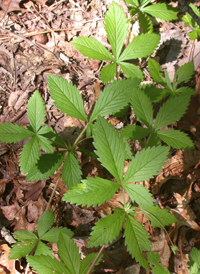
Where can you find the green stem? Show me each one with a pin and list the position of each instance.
(93, 264)
(52, 194)
(160, 223)
(124, 199)
(80, 135)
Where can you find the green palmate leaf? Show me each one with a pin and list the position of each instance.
(66, 97)
(69, 253)
(114, 97)
(116, 25)
(45, 222)
(168, 81)
(110, 147)
(131, 70)
(107, 229)
(153, 140)
(154, 70)
(53, 234)
(172, 110)
(142, 107)
(71, 171)
(146, 164)
(29, 155)
(156, 268)
(36, 111)
(92, 192)
(155, 94)
(139, 194)
(46, 144)
(21, 249)
(194, 262)
(46, 265)
(41, 170)
(135, 132)
(162, 11)
(133, 10)
(186, 90)
(10, 133)
(23, 234)
(136, 240)
(146, 24)
(185, 72)
(194, 34)
(145, 2)
(158, 217)
(141, 46)
(92, 48)
(132, 2)
(108, 72)
(176, 139)
(43, 249)
(128, 152)
(87, 261)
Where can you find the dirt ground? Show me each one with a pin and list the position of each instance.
(35, 41)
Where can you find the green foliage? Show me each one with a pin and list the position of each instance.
(14, 133)
(183, 74)
(69, 259)
(171, 111)
(194, 262)
(29, 241)
(189, 21)
(110, 148)
(156, 268)
(116, 26)
(145, 11)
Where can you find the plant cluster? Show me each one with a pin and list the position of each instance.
(111, 146)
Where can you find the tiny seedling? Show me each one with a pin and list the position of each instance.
(171, 111)
(116, 26)
(42, 259)
(144, 11)
(189, 21)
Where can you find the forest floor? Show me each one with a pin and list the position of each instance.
(34, 42)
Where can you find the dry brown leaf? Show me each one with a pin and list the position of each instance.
(160, 246)
(13, 5)
(184, 213)
(10, 5)
(6, 266)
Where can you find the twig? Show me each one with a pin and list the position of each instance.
(186, 8)
(92, 265)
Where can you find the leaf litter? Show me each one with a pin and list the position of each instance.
(37, 46)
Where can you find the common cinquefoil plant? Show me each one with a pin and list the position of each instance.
(189, 21)
(182, 75)
(111, 149)
(41, 258)
(145, 11)
(116, 26)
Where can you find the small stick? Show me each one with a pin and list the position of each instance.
(92, 265)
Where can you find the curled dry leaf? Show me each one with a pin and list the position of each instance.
(184, 213)
(6, 266)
